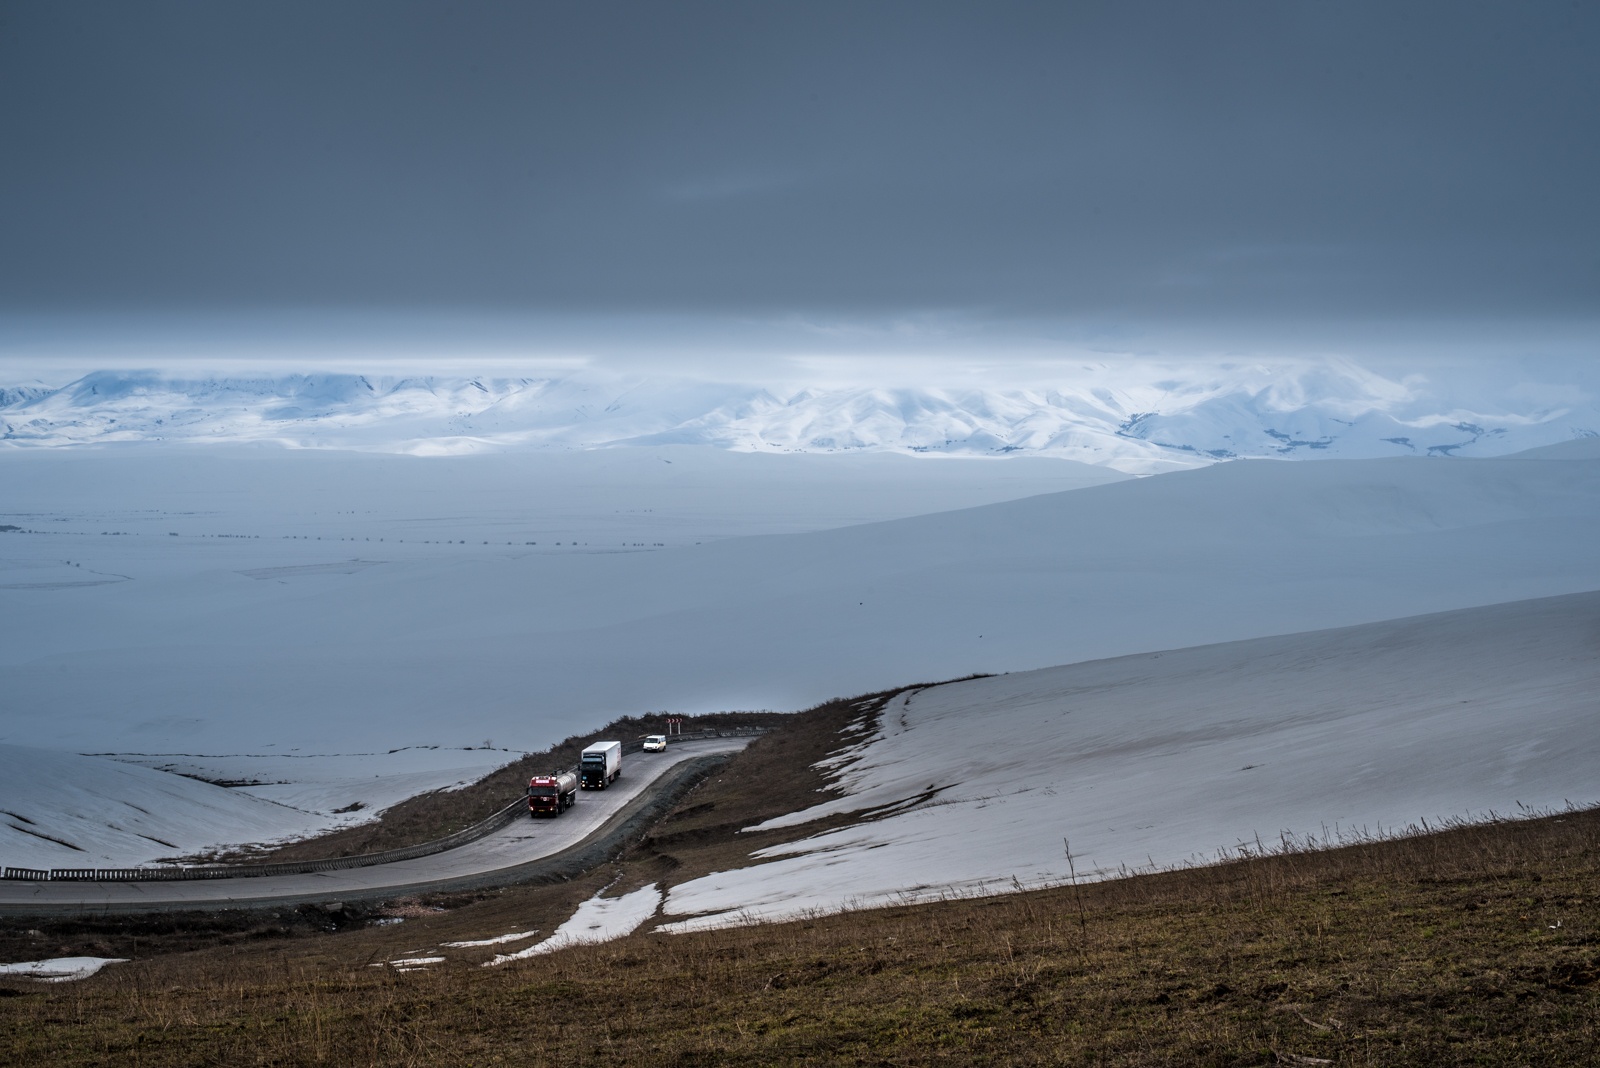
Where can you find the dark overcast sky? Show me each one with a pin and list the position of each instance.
(1124, 162)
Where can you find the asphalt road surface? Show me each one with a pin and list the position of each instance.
(523, 841)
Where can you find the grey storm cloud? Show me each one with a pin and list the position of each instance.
(1113, 159)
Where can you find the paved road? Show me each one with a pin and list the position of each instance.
(521, 842)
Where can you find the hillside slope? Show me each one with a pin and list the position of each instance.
(1166, 758)
(68, 811)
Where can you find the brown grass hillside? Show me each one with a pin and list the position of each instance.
(1476, 946)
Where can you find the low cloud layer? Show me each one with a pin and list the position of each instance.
(1097, 168)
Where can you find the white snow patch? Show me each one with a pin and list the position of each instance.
(69, 811)
(59, 969)
(66, 810)
(1170, 758)
(599, 919)
(496, 941)
(408, 964)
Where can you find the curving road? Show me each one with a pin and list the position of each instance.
(511, 854)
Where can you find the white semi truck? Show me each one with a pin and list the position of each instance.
(600, 765)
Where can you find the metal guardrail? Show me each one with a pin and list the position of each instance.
(466, 835)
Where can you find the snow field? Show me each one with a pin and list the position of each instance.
(251, 508)
(1164, 759)
(209, 535)
(466, 646)
(598, 919)
(59, 969)
(524, 649)
(69, 811)
(338, 787)
(63, 810)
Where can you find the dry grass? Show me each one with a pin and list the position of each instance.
(1478, 945)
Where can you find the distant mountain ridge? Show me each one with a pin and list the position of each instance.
(1109, 416)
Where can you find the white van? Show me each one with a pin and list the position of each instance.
(655, 743)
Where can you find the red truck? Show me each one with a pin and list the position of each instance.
(551, 794)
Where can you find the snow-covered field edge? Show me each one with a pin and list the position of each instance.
(1164, 761)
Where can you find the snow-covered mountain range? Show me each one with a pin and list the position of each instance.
(1136, 419)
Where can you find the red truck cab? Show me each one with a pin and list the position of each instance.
(550, 795)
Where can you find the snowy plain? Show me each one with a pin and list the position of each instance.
(216, 527)
(337, 629)
(462, 645)
(1167, 758)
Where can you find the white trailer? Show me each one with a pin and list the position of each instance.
(600, 765)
